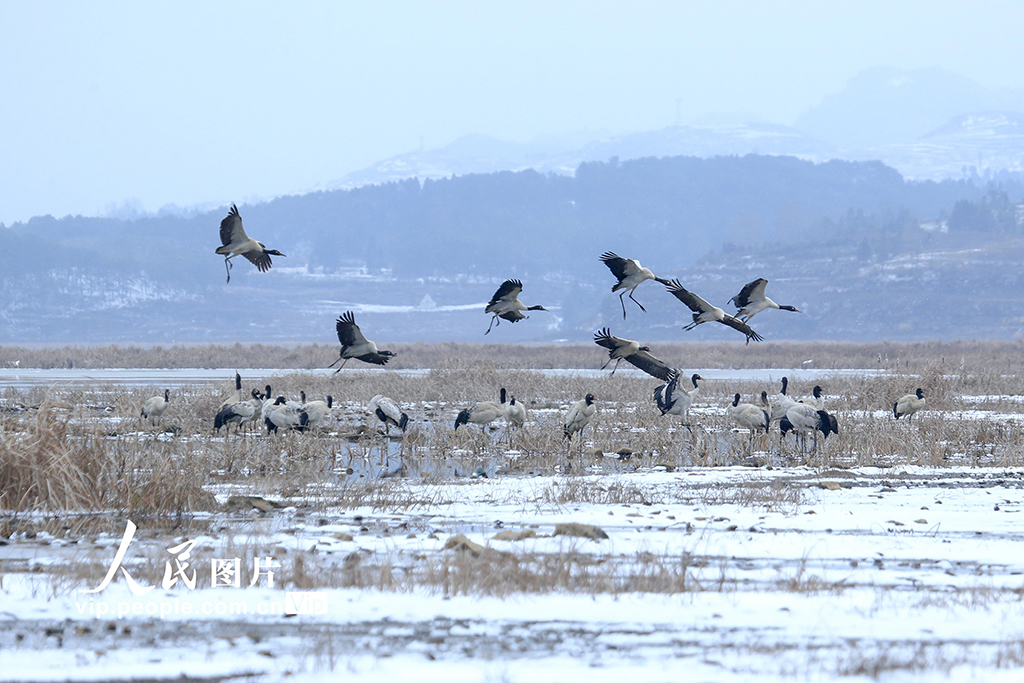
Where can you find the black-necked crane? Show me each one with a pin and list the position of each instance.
(806, 419)
(355, 345)
(505, 304)
(234, 242)
(751, 301)
(630, 274)
(316, 410)
(268, 403)
(748, 416)
(240, 412)
(703, 312)
(620, 349)
(482, 414)
(388, 411)
(908, 405)
(579, 416)
(284, 416)
(515, 415)
(674, 400)
(815, 400)
(235, 397)
(779, 403)
(155, 406)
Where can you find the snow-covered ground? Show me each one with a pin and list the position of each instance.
(902, 574)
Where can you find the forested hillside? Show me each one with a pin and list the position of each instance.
(430, 249)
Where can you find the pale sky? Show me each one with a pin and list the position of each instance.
(189, 103)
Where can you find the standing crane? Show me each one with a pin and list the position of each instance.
(703, 312)
(316, 410)
(239, 412)
(155, 406)
(674, 400)
(749, 416)
(805, 419)
(355, 345)
(630, 275)
(815, 400)
(779, 403)
(284, 416)
(237, 396)
(515, 415)
(388, 411)
(234, 242)
(578, 417)
(751, 301)
(483, 414)
(907, 405)
(506, 304)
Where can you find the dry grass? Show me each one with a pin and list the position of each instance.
(976, 356)
(47, 464)
(83, 447)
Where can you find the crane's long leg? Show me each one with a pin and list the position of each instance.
(339, 369)
(616, 365)
(494, 320)
(227, 267)
(623, 302)
(636, 302)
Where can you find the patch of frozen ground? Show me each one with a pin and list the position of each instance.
(899, 574)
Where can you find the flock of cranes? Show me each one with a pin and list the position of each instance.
(804, 417)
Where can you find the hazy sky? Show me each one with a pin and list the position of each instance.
(189, 103)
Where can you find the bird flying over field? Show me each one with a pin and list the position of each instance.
(704, 312)
(506, 304)
(355, 345)
(620, 349)
(234, 242)
(630, 274)
(751, 300)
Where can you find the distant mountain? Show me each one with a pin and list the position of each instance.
(887, 106)
(927, 124)
(967, 145)
(484, 154)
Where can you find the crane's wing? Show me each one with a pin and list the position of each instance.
(692, 301)
(603, 337)
(260, 259)
(664, 394)
(651, 365)
(512, 316)
(231, 228)
(508, 291)
(349, 333)
(620, 267)
(752, 291)
(736, 324)
(390, 408)
(379, 358)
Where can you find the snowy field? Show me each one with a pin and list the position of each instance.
(892, 553)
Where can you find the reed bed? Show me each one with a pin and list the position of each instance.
(85, 447)
(977, 356)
